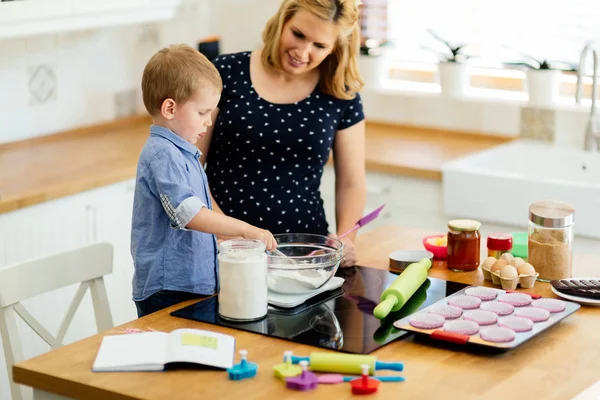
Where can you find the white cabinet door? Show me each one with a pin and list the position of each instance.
(24, 10)
(112, 208)
(35, 232)
(409, 201)
(379, 192)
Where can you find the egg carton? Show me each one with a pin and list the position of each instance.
(526, 281)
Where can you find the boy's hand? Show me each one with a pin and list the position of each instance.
(263, 235)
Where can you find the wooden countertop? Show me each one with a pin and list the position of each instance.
(420, 152)
(557, 364)
(41, 169)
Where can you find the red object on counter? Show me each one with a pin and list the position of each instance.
(464, 244)
(451, 337)
(364, 384)
(439, 252)
(500, 241)
(498, 244)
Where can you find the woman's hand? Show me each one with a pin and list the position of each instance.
(349, 256)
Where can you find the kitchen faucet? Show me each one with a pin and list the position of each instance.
(592, 131)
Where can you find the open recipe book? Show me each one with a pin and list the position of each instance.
(152, 351)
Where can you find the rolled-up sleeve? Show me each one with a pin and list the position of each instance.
(172, 187)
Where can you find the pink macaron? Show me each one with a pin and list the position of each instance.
(427, 321)
(461, 326)
(552, 305)
(498, 308)
(515, 299)
(465, 302)
(517, 324)
(481, 317)
(483, 293)
(446, 311)
(533, 313)
(497, 334)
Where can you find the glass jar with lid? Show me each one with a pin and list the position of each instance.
(243, 287)
(498, 244)
(464, 244)
(551, 239)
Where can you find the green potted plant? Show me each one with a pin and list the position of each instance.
(542, 79)
(453, 74)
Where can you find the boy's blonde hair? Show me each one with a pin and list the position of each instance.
(339, 72)
(175, 72)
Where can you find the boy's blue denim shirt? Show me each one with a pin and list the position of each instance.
(170, 189)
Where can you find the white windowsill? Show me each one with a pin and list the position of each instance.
(489, 96)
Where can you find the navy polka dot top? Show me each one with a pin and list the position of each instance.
(266, 160)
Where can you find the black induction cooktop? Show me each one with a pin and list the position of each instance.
(341, 319)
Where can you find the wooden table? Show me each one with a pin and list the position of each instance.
(558, 364)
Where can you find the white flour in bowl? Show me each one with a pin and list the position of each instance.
(297, 281)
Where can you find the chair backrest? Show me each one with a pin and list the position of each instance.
(85, 265)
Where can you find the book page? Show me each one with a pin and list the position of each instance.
(201, 347)
(132, 352)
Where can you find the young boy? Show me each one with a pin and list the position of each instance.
(172, 240)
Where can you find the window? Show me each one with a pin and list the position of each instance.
(496, 30)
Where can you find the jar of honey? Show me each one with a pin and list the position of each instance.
(464, 243)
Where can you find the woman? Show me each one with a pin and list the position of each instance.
(283, 110)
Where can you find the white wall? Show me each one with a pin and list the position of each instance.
(85, 71)
(240, 22)
(92, 75)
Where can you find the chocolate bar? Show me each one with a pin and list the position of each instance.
(578, 287)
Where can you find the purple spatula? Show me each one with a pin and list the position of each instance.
(359, 224)
(363, 221)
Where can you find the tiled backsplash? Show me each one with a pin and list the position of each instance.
(538, 123)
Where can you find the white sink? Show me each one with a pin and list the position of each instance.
(499, 184)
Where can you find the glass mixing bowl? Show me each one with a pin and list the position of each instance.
(304, 262)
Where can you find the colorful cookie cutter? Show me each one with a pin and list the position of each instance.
(286, 369)
(244, 369)
(303, 382)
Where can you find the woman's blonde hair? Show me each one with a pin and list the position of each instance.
(175, 72)
(339, 72)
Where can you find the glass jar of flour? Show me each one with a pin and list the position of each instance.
(550, 244)
(242, 280)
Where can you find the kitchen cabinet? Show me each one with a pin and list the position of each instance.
(35, 232)
(102, 214)
(112, 208)
(410, 202)
(29, 10)
(34, 17)
(87, 6)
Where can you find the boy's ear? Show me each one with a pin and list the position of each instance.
(167, 109)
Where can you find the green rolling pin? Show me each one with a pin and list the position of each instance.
(387, 324)
(405, 285)
(346, 363)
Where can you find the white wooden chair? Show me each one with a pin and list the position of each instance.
(85, 265)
